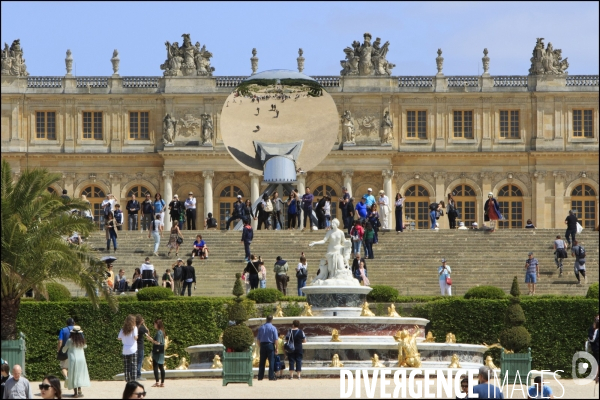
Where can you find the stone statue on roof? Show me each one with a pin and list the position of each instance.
(13, 62)
(367, 59)
(187, 59)
(547, 61)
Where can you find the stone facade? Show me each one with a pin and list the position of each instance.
(532, 136)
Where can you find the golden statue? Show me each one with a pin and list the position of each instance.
(454, 362)
(429, 338)
(335, 362)
(489, 362)
(450, 338)
(256, 357)
(497, 345)
(307, 312)
(408, 354)
(366, 311)
(167, 342)
(147, 364)
(392, 311)
(335, 336)
(216, 362)
(278, 312)
(375, 363)
(183, 364)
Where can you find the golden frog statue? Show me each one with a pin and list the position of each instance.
(147, 364)
(335, 336)
(278, 312)
(392, 311)
(216, 362)
(450, 338)
(335, 362)
(375, 363)
(489, 362)
(454, 362)
(366, 312)
(307, 312)
(429, 338)
(408, 354)
(183, 364)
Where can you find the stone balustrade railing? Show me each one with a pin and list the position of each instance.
(229, 81)
(582, 80)
(510, 81)
(140, 81)
(415, 81)
(44, 81)
(92, 81)
(462, 81)
(327, 81)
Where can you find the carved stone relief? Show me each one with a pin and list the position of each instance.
(367, 125)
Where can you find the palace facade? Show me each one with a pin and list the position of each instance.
(532, 140)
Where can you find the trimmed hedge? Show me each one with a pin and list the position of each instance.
(382, 293)
(558, 326)
(155, 293)
(262, 296)
(592, 292)
(57, 292)
(485, 292)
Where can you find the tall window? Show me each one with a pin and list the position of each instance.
(322, 190)
(466, 201)
(92, 125)
(463, 124)
(140, 195)
(509, 124)
(510, 200)
(583, 123)
(227, 197)
(583, 202)
(416, 124)
(45, 125)
(416, 206)
(138, 125)
(95, 196)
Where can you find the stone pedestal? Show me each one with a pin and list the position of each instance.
(547, 83)
(188, 84)
(344, 301)
(368, 83)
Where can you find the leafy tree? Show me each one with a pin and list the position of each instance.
(35, 224)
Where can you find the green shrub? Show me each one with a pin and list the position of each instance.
(417, 299)
(292, 310)
(262, 296)
(238, 337)
(155, 293)
(485, 292)
(290, 299)
(515, 336)
(592, 292)
(382, 294)
(57, 292)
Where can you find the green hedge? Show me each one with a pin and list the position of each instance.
(592, 292)
(57, 292)
(187, 322)
(485, 292)
(382, 293)
(155, 293)
(558, 326)
(265, 295)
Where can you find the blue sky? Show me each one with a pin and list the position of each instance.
(415, 30)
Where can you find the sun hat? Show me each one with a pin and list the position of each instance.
(239, 196)
(76, 329)
(369, 190)
(381, 192)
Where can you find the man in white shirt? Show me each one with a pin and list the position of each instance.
(147, 273)
(190, 211)
(384, 209)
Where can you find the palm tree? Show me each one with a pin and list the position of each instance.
(34, 250)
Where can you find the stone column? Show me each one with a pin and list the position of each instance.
(167, 195)
(540, 199)
(115, 188)
(486, 187)
(208, 176)
(559, 200)
(254, 192)
(388, 174)
(69, 184)
(301, 178)
(347, 176)
(440, 195)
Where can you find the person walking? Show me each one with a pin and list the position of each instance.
(357, 234)
(132, 207)
(188, 277)
(128, 335)
(156, 230)
(111, 231)
(451, 211)
(368, 241)
(281, 277)
(307, 204)
(175, 240)
(147, 212)
(78, 370)
(297, 336)
(571, 222)
(343, 206)
(253, 271)
(327, 210)
(262, 275)
(560, 253)
(190, 211)
(444, 272)
(248, 212)
(50, 388)
(267, 339)
(491, 211)
(158, 352)
(384, 209)
(63, 358)
(361, 208)
(302, 274)
(142, 332)
(17, 386)
(320, 212)
(238, 212)
(578, 252)
(532, 273)
(159, 206)
(399, 204)
(247, 235)
(373, 218)
(292, 211)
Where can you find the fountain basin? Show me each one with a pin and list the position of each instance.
(342, 301)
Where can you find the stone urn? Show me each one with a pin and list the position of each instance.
(69, 62)
(115, 60)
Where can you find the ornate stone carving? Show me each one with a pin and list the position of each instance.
(348, 128)
(208, 174)
(547, 61)
(168, 174)
(115, 60)
(486, 62)
(368, 124)
(187, 59)
(387, 126)
(169, 130)
(254, 62)
(539, 175)
(439, 62)
(207, 129)
(13, 62)
(300, 60)
(347, 173)
(366, 59)
(188, 126)
(69, 62)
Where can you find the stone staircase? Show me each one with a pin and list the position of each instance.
(406, 261)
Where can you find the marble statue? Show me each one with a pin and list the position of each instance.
(207, 129)
(278, 312)
(392, 311)
(408, 354)
(387, 125)
(147, 364)
(13, 62)
(454, 362)
(489, 362)
(115, 60)
(69, 62)
(486, 62)
(307, 311)
(375, 363)
(366, 311)
(187, 59)
(429, 338)
(254, 62)
(334, 271)
(450, 338)
(347, 128)
(216, 362)
(169, 127)
(183, 364)
(300, 60)
(335, 362)
(335, 336)
(366, 59)
(439, 61)
(547, 61)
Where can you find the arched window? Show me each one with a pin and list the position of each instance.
(51, 190)
(510, 200)
(227, 197)
(583, 202)
(466, 201)
(95, 196)
(416, 206)
(140, 193)
(323, 190)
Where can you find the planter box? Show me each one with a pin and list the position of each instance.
(511, 363)
(13, 352)
(237, 367)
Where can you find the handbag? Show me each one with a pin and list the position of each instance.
(448, 281)
(301, 274)
(158, 348)
(179, 240)
(289, 345)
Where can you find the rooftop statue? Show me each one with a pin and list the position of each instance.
(13, 62)
(187, 59)
(547, 61)
(367, 59)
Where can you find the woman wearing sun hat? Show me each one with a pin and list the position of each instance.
(78, 371)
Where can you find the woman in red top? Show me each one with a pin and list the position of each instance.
(492, 211)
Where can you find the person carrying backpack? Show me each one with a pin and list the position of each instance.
(578, 252)
(63, 336)
(293, 347)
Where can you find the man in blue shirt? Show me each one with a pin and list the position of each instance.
(539, 391)
(532, 273)
(370, 199)
(361, 208)
(267, 337)
(484, 389)
(63, 336)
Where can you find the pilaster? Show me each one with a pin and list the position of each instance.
(440, 185)
(559, 199)
(540, 200)
(301, 178)
(388, 174)
(208, 176)
(347, 177)
(254, 192)
(168, 194)
(69, 183)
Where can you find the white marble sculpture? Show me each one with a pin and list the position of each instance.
(547, 61)
(439, 62)
(300, 60)
(13, 62)
(347, 128)
(187, 59)
(115, 60)
(367, 59)
(254, 62)
(486, 62)
(169, 128)
(207, 129)
(69, 62)
(334, 270)
(387, 125)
